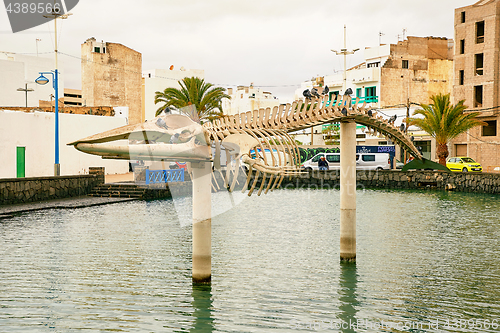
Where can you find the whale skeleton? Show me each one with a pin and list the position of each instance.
(259, 138)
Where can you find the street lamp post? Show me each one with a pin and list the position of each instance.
(26, 90)
(43, 80)
(56, 13)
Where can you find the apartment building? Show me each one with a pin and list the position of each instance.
(112, 76)
(248, 98)
(396, 78)
(477, 79)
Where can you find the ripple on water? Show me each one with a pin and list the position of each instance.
(422, 256)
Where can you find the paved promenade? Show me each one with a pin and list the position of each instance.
(74, 202)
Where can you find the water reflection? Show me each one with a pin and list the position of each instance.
(423, 256)
(202, 305)
(348, 282)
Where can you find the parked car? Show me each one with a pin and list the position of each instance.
(364, 161)
(399, 165)
(463, 164)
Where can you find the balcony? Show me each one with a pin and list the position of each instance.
(366, 99)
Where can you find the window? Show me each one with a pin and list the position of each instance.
(461, 75)
(424, 147)
(461, 150)
(358, 92)
(97, 49)
(316, 158)
(462, 17)
(333, 158)
(368, 158)
(479, 32)
(405, 64)
(370, 91)
(490, 129)
(462, 46)
(374, 64)
(333, 95)
(479, 59)
(478, 96)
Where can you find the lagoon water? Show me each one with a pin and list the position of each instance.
(427, 262)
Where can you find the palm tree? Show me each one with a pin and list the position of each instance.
(194, 91)
(331, 131)
(444, 122)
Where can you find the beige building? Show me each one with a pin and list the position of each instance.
(391, 77)
(416, 69)
(112, 76)
(72, 97)
(477, 79)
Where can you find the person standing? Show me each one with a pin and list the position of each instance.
(322, 164)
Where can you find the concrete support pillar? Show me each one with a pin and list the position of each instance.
(348, 191)
(202, 222)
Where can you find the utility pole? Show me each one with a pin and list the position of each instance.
(345, 52)
(26, 90)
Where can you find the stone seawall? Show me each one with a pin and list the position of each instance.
(24, 190)
(463, 182)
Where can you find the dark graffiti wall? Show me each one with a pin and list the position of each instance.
(308, 153)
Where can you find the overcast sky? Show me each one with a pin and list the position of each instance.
(275, 44)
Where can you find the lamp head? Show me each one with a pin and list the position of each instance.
(42, 80)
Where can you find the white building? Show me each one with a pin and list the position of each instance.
(21, 71)
(160, 79)
(363, 79)
(27, 141)
(248, 98)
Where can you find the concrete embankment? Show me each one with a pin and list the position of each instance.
(394, 179)
(35, 189)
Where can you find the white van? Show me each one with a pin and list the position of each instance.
(364, 161)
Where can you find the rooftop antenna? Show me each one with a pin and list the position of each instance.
(380, 34)
(37, 40)
(345, 52)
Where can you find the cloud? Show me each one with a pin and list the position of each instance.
(270, 43)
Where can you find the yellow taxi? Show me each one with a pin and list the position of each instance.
(463, 164)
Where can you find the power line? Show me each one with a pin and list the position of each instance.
(483, 110)
(487, 142)
(7, 53)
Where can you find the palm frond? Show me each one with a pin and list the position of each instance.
(444, 121)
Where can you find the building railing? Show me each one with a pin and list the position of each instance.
(164, 176)
(366, 99)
